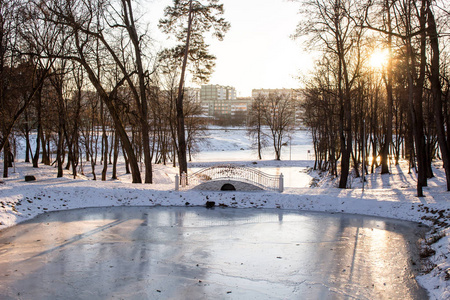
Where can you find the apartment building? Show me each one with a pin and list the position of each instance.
(221, 101)
(217, 99)
(241, 105)
(292, 93)
(193, 94)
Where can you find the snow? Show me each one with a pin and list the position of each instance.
(391, 196)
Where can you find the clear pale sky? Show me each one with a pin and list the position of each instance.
(257, 51)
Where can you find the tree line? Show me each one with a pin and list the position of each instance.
(83, 75)
(399, 109)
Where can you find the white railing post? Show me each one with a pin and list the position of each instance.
(281, 183)
(183, 179)
(177, 182)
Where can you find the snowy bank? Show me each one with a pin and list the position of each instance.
(391, 196)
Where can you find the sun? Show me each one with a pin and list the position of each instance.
(379, 59)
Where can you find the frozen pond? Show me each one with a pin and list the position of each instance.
(199, 253)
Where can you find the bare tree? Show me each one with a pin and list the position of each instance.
(139, 89)
(331, 24)
(11, 57)
(437, 91)
(410, 113)
(103, 23)
(74, 119)
(255, 124)
(278, 114)
(321, 115)
(195, 124)
(189, 20)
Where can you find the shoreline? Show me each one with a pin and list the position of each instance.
(21, 201)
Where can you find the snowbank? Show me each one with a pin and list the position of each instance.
(391, 196)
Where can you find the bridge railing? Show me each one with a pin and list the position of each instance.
(232, 172)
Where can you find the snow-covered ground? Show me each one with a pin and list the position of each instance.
(391, 196)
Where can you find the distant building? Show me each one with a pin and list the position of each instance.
(241, 105)
(192, 94)
(217, 99)
(221, 102)
(292, 93)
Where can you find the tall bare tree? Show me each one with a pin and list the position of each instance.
(255, 124)
(19, 59)
(104, 22)
(189, 21)
(331, 24)
(278, 113)
(436, 91)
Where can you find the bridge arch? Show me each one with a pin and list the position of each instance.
(228, 187)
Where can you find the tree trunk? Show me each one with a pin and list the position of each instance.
(344, 123)
(127, 163)
(420, 135)
(437, 94)
(105, 151)
(75, 136)
(259, 142)
(57, 81)
(182, 160)
(6, 157)
(59, 149)
(129, 21)
(276, 148)
(27, 138)
(116, 156)
(39, 130)
(104, 142)
(38, 142)
(388, 135)
(417, 124)
(59, 153)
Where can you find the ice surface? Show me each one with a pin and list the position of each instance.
(199, 253)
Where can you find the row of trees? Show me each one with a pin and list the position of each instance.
(400, 109)
(80, 71)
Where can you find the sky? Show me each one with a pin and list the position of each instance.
(257, 51)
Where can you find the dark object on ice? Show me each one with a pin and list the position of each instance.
(210, 204)
(227, 187)
(30, 178)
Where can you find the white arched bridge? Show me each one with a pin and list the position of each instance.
(230, 177)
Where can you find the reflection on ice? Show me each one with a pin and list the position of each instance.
(198, 253)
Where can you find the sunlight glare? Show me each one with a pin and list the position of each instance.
(379, 59)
